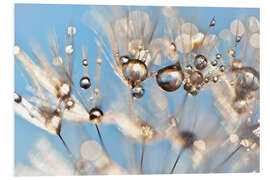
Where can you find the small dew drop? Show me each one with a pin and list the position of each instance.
(69, 103)
(85, 62)
(214, 62)
(218, 56)
(213, 22)
(124, 59)
(215, 79)
(17, 98)
(85, 83)
(138, 91)
(222, 68)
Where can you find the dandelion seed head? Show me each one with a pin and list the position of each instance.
(85, 83)
(184, 43)
(91, 150)
(147, 132)
(237, 27)
(255, 40)
(253, 24)
(188, 28)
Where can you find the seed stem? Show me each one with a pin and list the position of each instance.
(228, 158)
(142, 156)
(177, 159)
(101, 140)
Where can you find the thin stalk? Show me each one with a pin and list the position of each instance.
(101, 140)
(177, 159)
(228, 158)
(142, 156)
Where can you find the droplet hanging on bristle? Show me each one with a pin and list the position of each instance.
(17, 98)
(200, 62)
(138, 91)
(135, 71)
(247, 78)
(213, 22)
(95, 115)
(85, 62)
(124, 59)
(69, 103)
(170, 78)
(222, 68)
(85, 83)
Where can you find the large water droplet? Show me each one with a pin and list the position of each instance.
(85, 82)
(95, 115)
(200, 62)
(170, 78)
(135, 71)
(247, 78)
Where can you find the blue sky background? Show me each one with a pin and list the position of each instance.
(35, 21)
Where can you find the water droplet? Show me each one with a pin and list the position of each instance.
(99, 61)
(218, 56)
(170, 78)
(200, 62)
(138, 91)
(188, 69)
(248, 78)
(17, 98)
(124, 59)
(213, 22)
(85, 62)
(69, 103)
(188, 87)
(238, 39)
(214, 62)
(135, 71)
(95, 115)
(85, 83)
(206, 80)
(222, 68)
(64, 90)
(232, 52)
(215, 79)
(239, 105)
(193, 92)
(196, 78)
